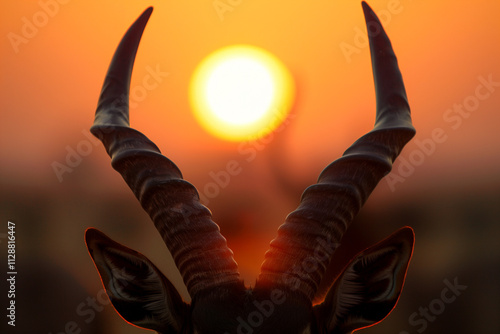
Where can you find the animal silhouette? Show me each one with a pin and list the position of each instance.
(281, 299)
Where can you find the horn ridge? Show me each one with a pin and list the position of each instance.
(297, 258)
(194, 240)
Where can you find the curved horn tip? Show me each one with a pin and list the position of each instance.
(113, 104)
(367, 10)
(144, 17)
(393, 110)
(145, 14)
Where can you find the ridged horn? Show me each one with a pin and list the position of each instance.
(194, 240)
(298, 256)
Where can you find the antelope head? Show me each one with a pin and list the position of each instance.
(281, 299)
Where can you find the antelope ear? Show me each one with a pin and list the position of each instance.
(139, 292)
(369, 287)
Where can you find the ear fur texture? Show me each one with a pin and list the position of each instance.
(369, 287)
(139, 292)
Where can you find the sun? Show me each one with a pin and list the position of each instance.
(241, 92)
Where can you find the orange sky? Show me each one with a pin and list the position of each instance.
(49, 87)
(51, 77)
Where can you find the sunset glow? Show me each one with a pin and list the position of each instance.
(241, 92)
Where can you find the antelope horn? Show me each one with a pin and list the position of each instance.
(194, 240)
(298, 256)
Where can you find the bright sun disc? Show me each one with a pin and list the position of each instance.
(241, 93)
